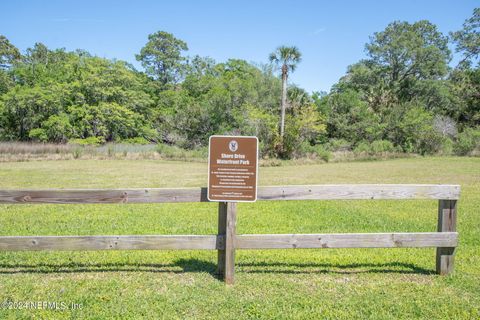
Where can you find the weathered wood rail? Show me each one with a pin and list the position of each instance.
(227, 241)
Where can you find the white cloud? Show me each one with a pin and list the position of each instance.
(319, 30)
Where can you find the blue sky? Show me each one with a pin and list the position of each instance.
(330, 34)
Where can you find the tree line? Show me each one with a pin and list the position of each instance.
(403, 97)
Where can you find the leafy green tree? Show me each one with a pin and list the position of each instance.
(39, 54)
(415, 131)
(210, 101)
(406, 68)
(368, 79)
(404, 60)
(200, 66)
(408, 52)
(351, 118)
(61, 95)
(180, 120)
(162, 57)
(255, 121)
(287, 58)
(6, 82)
(467, 40)
(8, 53)
(402, 97)
(305, 125)
(38, 135)
(25, 108)
(56, 128)
(465, 79)
(466, 88)
(467, 141)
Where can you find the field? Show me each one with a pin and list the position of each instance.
(283, 284)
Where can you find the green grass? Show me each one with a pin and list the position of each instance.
(285, 284)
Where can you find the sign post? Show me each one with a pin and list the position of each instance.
(232, 168)
(232, 178)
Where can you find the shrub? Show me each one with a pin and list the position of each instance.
(323, 153)
(362, 147)
(38, 134)
(304, 125)
(88, 141)
(467, 141)
(339, 145)
(303, 149)
(201, 152)
(429, 142)
(57, 128)
(255, 121)
(416, 132)
(170, 152)
(381, 146)
(315, 151)
(136, 140)
(174, 152)
(377, 147)
(447, 147)
(351, 117)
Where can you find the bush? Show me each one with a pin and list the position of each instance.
(315, 151)
(323, 153)
(350, 117)
(467, 141)
(415, 132)
(377, 147)
(303, 125)
(339, 145)
(362, 147)
(38, 134)
(447, 147)
(57, 128)
(305, 149)
(136, 140)
(170, 152)
(95, 141)
(174, 152)
(429, 142)
(201, 152)
(381, 146)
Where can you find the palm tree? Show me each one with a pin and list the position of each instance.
(287, 58)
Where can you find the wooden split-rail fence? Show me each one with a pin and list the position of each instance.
(227, 240)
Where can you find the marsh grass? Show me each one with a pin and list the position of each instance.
(22, 151)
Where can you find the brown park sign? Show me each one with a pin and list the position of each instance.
(232, 168)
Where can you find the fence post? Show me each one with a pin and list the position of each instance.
(447, 220)
(227, 219)
(222, 228)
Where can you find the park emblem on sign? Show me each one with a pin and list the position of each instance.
(232, 168)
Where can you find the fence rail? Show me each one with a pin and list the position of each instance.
(314, 192)
(227, 241)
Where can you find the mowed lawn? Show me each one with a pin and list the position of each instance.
(280, 284)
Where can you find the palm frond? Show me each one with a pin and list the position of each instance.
(287, 56)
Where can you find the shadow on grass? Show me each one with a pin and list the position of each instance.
(179, 266)
(196, 265)
(351, 268)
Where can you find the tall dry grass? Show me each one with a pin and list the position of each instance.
(13, 148)
(25, 151)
